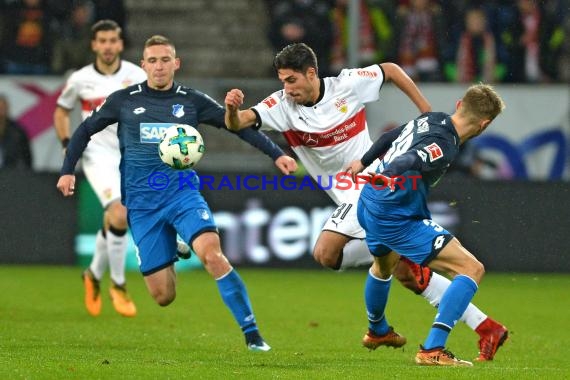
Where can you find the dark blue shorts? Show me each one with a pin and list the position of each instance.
(154, 231)
(420, 240)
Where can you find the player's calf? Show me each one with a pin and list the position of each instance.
(162, 285)
(413, 276)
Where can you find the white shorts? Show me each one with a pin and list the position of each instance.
(101, 167)
(344, 221)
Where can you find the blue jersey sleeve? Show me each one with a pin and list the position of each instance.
(209, 111)
(435, 154)
(381, 145)
(260, 141)
(105, 115)
(213, 114)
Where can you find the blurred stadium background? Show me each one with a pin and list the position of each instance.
(507, 199)
(513, 213)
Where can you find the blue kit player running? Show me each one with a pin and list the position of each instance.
(155, 217)
(393, 211)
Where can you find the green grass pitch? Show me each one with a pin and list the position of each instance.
(314, 320)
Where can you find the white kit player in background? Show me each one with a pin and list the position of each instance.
(324, 122)
(90, 86)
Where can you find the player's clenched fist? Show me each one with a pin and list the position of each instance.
(234, 99)
(66, 184)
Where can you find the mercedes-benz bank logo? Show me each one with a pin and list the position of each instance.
(310, 139)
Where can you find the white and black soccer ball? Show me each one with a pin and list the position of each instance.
(181, 146)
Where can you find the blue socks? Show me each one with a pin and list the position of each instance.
(452, 305)
(376, 293)
(234, 294)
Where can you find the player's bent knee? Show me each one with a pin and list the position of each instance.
(215, 263)
(478, 271)
(474, 269)
(117, 215)
(326, 257)
(164, 298)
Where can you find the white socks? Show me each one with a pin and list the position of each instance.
(110, 252)
(117, 253)
(100, 260)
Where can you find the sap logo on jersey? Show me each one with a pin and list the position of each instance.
(151, 133)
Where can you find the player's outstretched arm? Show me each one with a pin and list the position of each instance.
(235, 118)
(394, 73)
(259, 140)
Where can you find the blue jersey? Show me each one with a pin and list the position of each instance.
(419, 154)
(142, 115)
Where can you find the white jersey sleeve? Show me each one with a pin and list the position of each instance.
(366, 82)
(273, 112)
(70, 93)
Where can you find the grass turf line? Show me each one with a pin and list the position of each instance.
(314, 320)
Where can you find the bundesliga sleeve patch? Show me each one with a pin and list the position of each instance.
(270, 101)
(434, 152)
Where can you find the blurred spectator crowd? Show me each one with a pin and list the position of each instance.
(433, 40)
(51, 36)
(436, 40)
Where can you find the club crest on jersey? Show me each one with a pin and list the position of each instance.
(178, 110)
(341, 105)
(107, 193)
(126, 83)
(203, 214)
(434, 152)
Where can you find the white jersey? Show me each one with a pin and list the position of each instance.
(332, 133)
(102, 156)
(91, 88)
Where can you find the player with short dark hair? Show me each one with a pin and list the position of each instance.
(324, 122)
(155, 217)
(393, 211)
(89, 86)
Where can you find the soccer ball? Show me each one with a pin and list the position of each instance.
(181, 146)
